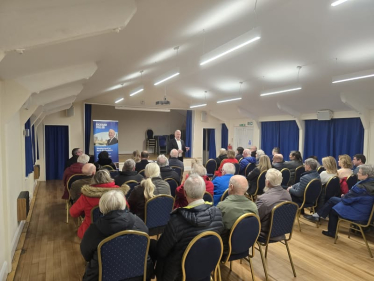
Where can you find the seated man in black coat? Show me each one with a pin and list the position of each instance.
(76, 152)
(165, 170)
(143, 162)
(128, 173)
(185, 224)
(174, 161)
(278, 162)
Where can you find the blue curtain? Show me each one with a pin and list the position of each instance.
(33, 144)
(224, 136)
(282, 134)
(56, 151)
(87, 126)
(333, 137)
(28, 150)
(212, 143)
(189, 132)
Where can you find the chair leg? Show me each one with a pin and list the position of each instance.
(289, 255)
(218, 275)
(366, 242)
(251, 266)
(298, 219)
(263, 261)
(67, 212)
(230, 265)
(337, 231)
(266, 251)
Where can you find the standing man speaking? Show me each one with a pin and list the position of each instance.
(178, 144)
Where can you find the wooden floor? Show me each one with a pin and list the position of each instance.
(51, 250)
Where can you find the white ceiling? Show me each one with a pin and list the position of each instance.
(327, 41)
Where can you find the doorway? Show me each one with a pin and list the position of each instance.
(209, 144)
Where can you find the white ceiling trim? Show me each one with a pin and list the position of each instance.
(51, 106)
(56, 94)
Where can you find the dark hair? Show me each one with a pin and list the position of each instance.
(361, 157)
(313, 157)
(103, 155)
(297, 155)
(240, 150)
(74, 151)
(276, 150)
(144, 154)
(253, 153)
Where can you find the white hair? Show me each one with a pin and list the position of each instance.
(174, 153)
(111, 201)
(260, 152)
(199, 169)
(229, 168)
(83, 159)
(162, 160)
(194, 186)
(274, 177)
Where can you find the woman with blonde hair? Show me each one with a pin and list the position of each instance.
(345, 163)
(264, 164)
(230, 159)
(150, 187)
(329, 163)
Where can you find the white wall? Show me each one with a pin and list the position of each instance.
(235, 123)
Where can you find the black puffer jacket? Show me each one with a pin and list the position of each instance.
(220, 158)
(184, 225)
(168, 172)
(125, 176)
(105, 226)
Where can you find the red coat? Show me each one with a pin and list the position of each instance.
(74, 169)
(181, 201)
(218, 173)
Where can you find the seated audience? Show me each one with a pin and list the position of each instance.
(116, 218)
(295, 161)
(259, 153)
(180, 200)
(275, 150)
(104, 160)
(136, 156)
(278, 162)
(185, 224)
(222, 183)
(222, 155)
(75, 190)
(150, 187)
(74, 169)
(235, 205)
(239, 153)
(174, 161)
(297, 190)
(165, 170)
(356, 205)
(230, 159)
(247, 159)
(315, 158)
(76, 152)
(128, 173)
(274, 194)
(329, 163)
(101, 183)
(358, 159)
(263, 165)
(143, 162)
(344, 172)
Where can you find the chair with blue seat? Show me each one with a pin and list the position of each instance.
(321, 169)
(114, 174)
(248, 169)
(69, 183)
(157, 213)
(351, 181)
(142, 172)
(162, 144)
(123, 256)
(282, 220)
(202, 256)
(173, 185)
(286, 174)
(107, 167)
(211, 167)
(224, 195)
(298, 172)
(237, 168)
(208, 197)
(95, 214)
(260, 184)
(332, 188)
(243, 237)
(131, 184)
(179, 172)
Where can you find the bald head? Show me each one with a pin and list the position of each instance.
(174, 153)
(238, 185)
(278, 158)
(89, 169)
(246, 153)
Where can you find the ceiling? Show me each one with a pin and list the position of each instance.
(326, 41)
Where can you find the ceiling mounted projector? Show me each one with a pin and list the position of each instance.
(162, 102)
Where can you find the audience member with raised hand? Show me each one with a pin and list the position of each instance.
(331, 170)
(116, 218)
(136, 156)
(278, 162)
(143, 162)
(76, 152)
(128, 173)
(151, 186)
(264, 165)
(222, 183)
(356, 205)
(185, 224)
(358, 159)
(274, 194)
(239, 153)
(247, 159)
(74, 169)
(235, 205)
(222, 155)
(295, 161)
(88, 169)
(165, 170)
(174, 161)
(101, 183)
(230, 159)
(180, 200)
(104, 160)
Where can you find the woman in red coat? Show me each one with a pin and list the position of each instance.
(101, 183)
(180, 198)
(230, 159)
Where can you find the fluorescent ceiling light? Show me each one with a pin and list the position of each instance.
(353, 78)
(336, 3)
(142, 109)
(230, 50)
(136, 92)
(221, 101)
(117, 101)
(282, 91)
(199, 105)
(167, 78)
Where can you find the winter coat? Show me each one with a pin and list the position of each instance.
(220, 158)
(218, 173)
(252, 181)
(74, 169)
(168, 172)
(173, 161)
(245, 161)
(111, 223)
(292, 165)
(141, 165)
(184, 225)
(220, 186)
(104, 162)
(299, 188)
(125, 176)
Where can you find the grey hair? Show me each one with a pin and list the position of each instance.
(111, 201)
(312, 163)
(101, 176)
(194, 186)
(162, 160)
(247, 152)
(83, 159)
(174, 153)
(199, 169)
(222, 151)
(129, 165)
(367, 169)
(274, 177)
(260, 152)
(229, 168)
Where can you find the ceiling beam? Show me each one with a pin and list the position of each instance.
(56, 94)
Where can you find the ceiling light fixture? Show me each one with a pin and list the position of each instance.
(117, 101)
(221, 101)
(353, 78)
(167, 78)
(296, 86)
(280, 92)
(336, 3)
(199, 105)
(136, 92)
(141, 109)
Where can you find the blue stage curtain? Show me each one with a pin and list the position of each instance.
(282, 134)
(33, 144)
(212, 143)
(56, 151)
(28, 150)
(224, 136)
(189, 132)
(333, 137)
(87, 127)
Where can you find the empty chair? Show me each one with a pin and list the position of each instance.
(131, 184)
(157, 213)
(70, 181)
(286, 174)
(162, 144)
(208, 197)
(351, 181)
(298, 172)
(173, 185)
(211, 167)
(225, 194)
(151, 141)
(95, 214)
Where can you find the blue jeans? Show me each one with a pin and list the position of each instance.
(326, 209)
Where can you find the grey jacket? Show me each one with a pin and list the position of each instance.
(298, 188)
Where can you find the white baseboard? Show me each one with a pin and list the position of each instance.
(4, 271)
(16, 237)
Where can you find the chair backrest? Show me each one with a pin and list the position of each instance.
(321, 169)
(243, 236)
(162, 141)
(173, 185)
(351, 181)
(298, 171)
(237, 168)
(95, 214)
(202, 256)
(149, 134)
(370, 217)
(249, 168)
(240, 159)
(286, 174)
(178, 170)
(311, 193)
(131, 184)
(157, 210)
(106, 167)
(225, 194)
(123, 256)
(332, 188)
(114, 174)
(208, 197)
(211, 166)
(74, 178)
(260, 184)
(142, 172)
(282, 219)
